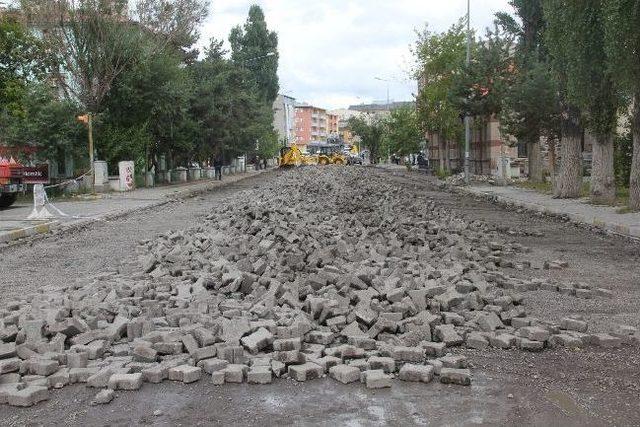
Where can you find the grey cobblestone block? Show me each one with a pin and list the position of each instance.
(344, 373)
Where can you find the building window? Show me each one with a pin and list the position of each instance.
(522, 149)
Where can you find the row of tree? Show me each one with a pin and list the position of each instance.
(563, 70)
(135, 68)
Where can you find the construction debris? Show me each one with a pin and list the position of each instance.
(324, 274)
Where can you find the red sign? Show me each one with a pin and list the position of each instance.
(36, 174)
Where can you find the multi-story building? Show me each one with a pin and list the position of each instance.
(311, 124)
(284, 113)
(332, 124)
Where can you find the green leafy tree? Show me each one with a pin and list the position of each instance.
(568, 182)
(480, 89)
(622, 24)
(255, 48)
(48, 125)
(530, 106)
(371, 134)
(231, 118)
(440, 58)
(402, 132)
(21, 60)
(148, 106)
(579, 28)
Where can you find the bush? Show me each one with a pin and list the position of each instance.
(442, 173)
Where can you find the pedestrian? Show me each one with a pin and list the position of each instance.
(217, 166)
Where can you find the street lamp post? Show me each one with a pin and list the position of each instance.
(388, 110)
(387, 82)
(467, 117)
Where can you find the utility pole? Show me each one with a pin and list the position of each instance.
(467, 118)
(388, 107)
(93, 172)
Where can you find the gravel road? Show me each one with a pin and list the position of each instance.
(556, 387)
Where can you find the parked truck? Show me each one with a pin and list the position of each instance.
(11, 181)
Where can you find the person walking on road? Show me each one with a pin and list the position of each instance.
(217, 166)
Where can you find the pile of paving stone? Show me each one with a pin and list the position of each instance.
(316, 272)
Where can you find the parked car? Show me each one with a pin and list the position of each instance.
(354, 159)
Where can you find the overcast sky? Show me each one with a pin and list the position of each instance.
(332, 50)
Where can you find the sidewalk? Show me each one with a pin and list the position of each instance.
(577, 210)
(83, 211)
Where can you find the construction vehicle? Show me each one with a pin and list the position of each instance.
(291, 156)
(327, 154)
(11, 181)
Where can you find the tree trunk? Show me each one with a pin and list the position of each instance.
(634, 177)
(569, 181)
(603, 186)
(551, 143)
(534, 157)
(448, 155)
(440, 154)
(478, 164)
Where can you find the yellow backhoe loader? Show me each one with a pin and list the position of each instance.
(291, 156)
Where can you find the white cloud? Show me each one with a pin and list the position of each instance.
(331, 50)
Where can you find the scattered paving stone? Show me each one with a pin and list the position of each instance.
(185, 373)
(234, 373)
(259, 375)
(27, 396)
(125, 381)
(344, 373)
(218, 377)
(376, 379)
(212, 365)
(279, 284)
(386, 364)
(306, 371)
(104, 396)
(455, 376)
(416, 373)
(477, 341)
(573, 325)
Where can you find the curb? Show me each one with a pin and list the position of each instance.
(595, 224)
(21, 233)
(45, 228)
(632, 232)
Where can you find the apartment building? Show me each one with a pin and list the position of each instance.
(311, 124)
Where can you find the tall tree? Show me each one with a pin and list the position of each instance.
(232, 119)
(530, 105)
(255, 48)
(623, 49)
(580, 28)
(440, 57)
(568, 183)
(147, 108)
